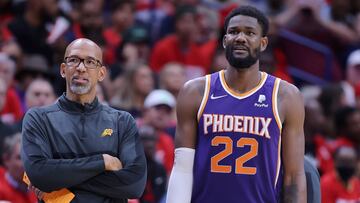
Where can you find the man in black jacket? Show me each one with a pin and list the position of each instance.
(79, 144)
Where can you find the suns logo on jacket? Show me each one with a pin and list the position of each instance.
(107, 132)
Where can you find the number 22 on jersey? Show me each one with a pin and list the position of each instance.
(240, 161)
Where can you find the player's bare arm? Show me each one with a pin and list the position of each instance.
(181, 178)
(292, 114)
(188, 103)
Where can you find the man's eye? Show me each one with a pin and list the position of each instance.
(90, 62)
(73, 60)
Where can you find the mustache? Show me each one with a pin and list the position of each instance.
(239, 47)
(75, 77)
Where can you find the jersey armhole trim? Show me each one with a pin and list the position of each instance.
(275, 103)
(279, 124)
(205, 97)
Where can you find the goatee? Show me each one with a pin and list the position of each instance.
(241, 63)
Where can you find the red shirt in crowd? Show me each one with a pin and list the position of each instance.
(169, 50)
(326, 149)
(12, 111)
(334, 191)
(165, 151)
(9, 193)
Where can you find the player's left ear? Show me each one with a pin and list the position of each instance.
(102, 73)
(263, 43)
(224, 41)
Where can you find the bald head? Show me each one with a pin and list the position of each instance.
(83, 43)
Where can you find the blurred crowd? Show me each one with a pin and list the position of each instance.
(152, 47)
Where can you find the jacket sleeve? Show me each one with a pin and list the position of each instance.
(128, 182)
(45, 172)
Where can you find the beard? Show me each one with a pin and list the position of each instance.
(80, 89)
(241, 63)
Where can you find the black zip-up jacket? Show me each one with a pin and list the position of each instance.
(63, 144)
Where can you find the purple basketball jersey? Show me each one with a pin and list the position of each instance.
(238, 145)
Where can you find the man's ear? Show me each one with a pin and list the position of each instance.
(102, 73)
(62, 70)
(224, 41)
(263, 43)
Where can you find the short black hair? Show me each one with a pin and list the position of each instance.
(341, 117)
(115, 5)
(183, 9)
(252, 12)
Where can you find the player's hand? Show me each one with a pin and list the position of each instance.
(39, 194)
(112, 163)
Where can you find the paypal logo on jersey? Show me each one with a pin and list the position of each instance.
(260, 103)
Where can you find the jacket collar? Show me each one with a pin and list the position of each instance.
(72, 106)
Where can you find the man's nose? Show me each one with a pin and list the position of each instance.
(81, 66)
(240, 37)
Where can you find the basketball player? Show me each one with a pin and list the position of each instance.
(240, 134)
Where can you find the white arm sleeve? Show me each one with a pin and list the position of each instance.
(181, 178)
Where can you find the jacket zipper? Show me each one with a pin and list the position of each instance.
(82, 119)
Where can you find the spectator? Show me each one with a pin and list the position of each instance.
(331, 98)
(13, 188)
(89, 24)
(156, 16)
(122, 18)
(5, 129)
(353, 69)
(34, 67)
(139, 83)
(340, 185)
(134, 47)
(340, 20)
(156, 179)
(11, 111)
(314, 128)
(30, 29)
(223, 7)
(158, 107)
(133, 50)
(115, 81)
(172, 78)
(181, 47)
(303, 18)
(39, 93)
(270, 64)
(347, 123)
(208, 21)
(13, 50)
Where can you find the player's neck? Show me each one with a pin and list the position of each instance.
(243, 80)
